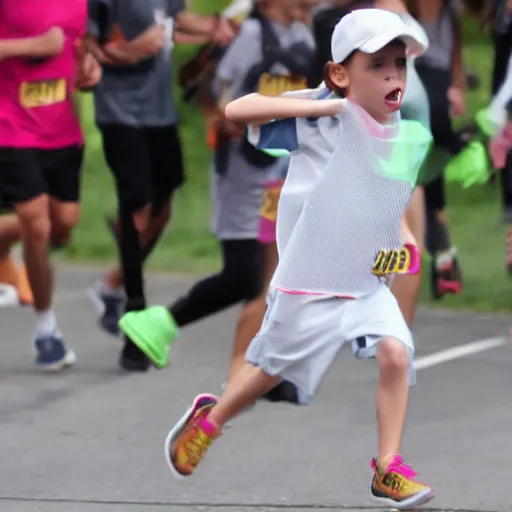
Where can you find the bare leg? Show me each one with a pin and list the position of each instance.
(249, 384)
(35, 234)
(10, 233)
(392, 396)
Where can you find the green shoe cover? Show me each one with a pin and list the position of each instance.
(470, 166)
(153, 330)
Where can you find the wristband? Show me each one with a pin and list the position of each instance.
(415, 259)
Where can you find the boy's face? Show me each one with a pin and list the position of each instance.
(375, 81)
(298, 10)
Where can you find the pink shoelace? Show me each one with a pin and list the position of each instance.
(397, 466)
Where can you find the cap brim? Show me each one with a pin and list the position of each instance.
(414, 46)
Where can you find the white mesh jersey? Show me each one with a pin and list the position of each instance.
(316, 140)
(311, 143)
(352, 211)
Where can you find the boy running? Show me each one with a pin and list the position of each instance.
(328, 287)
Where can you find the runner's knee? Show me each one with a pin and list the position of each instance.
(64, 220)
(392, 356)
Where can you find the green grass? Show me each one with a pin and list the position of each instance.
(188, 245)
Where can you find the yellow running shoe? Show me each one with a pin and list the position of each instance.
(395, 487)
(189, 439)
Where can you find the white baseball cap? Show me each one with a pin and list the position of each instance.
(370, 30)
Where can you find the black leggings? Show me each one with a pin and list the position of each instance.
(437, 82)
(239, 280)
(132, 256)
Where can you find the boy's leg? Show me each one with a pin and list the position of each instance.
(298, 342)
(391, 344)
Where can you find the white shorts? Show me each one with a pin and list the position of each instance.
(301, 335)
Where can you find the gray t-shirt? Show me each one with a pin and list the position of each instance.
(441, 40)
(237, 191)
(140, 95)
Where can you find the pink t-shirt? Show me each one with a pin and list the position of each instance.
(36, 109)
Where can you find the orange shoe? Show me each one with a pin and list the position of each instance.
(396, 486)
(8, 271)
(16, 275)
(23, 286)
(189, 439)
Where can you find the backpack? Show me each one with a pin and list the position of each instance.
(297, 61)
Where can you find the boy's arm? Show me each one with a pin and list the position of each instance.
(407, 235)
(459, 78)
(47, 45)
(256, 109)
(411, 245)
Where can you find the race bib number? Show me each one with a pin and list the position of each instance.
(392, 262)
(270, 201)
(273, 85)
(43, 93)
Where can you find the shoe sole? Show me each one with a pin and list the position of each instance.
(174, 431)
(68, 360)
(414, 501)
(142, 344)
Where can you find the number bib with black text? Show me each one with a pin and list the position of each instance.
(392, 262)
(275, 85)
(270, 201)
(43, 93)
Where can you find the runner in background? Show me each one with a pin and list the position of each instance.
(502, 39)
(41, 144)
(138, 121)
(441, 70)
(281, 51)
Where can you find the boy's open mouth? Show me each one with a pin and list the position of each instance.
(394, 96)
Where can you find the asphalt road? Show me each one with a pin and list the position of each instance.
(91, 439)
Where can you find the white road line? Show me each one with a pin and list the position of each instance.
(450, 354)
